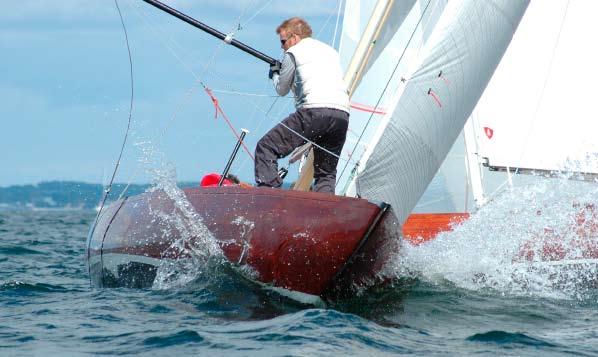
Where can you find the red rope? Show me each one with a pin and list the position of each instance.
(218, 109)
(367, 108)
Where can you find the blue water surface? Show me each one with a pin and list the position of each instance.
(47, 307)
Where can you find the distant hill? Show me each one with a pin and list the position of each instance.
(63, 194)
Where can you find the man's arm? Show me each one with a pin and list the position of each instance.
(284, 80)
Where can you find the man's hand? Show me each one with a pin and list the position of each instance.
(274, 69)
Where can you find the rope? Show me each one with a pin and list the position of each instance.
(163, 35)
(311, 142)
(210, 91)
(240, 27)
(219, 110)
(247, 94)
(122, 148)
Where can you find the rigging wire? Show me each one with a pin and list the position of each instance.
(385, 88)
(122, 148)
(224, 91)
(286, 106)
(240, 27)
(206, 67)
(338, 16)
(266, 114)
(197, 77)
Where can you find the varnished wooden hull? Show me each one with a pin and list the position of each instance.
(308, 242)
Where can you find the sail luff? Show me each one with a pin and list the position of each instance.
(456, 65)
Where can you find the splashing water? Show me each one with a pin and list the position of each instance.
(194, 252)
(503, 246)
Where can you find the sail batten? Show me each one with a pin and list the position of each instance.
(454, 67)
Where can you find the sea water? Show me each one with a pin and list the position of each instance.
(458, 295)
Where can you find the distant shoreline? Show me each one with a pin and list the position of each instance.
(64, 195)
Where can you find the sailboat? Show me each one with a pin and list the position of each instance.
(330, 245)
(533, 123)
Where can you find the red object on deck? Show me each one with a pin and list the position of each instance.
(211, 180)
(422, 227)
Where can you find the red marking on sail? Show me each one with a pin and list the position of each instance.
(367, 109)
(219, 110)
(443, 78)
(489, 132)
(436, 99)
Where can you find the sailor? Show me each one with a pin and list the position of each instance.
(311, 70)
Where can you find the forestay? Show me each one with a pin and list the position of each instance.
(453, 69)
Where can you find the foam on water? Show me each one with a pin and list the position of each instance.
(485, 252)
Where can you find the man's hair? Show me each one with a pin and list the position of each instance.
(295, 25)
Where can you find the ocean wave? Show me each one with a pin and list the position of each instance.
(503, 338)
(18, 250)
(23, 287)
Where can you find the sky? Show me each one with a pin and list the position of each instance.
(65, 88)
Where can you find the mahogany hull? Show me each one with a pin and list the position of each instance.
(302, 241)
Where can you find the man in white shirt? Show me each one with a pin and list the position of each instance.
(311, 70)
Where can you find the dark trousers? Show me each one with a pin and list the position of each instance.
(323, 126)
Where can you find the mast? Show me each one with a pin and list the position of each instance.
(364, 50)
(473, 164)
(200, 25)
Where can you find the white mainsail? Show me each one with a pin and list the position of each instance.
(454, 67)
(538, 111)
